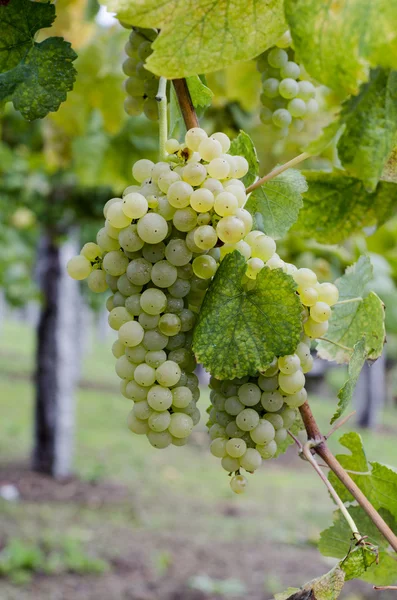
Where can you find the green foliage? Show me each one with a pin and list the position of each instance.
(336, 206)
(336, 541)
(378, 482)
(242, 145)
(20, 559)
(239, 332)
(345, 394)
(330, 585)
(371, 125)
(362, 317)
(275, 204)
(34, 76)
(201, 36)
(338, 42)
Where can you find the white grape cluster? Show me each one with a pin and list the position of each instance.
(142, 85)
(249, 417)
(285, 100)
(157, 252)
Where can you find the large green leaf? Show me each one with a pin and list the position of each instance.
(242, 145)
(336, 39)
(371, 124)
(199, 36)
(336, 206)
(275, 205)
(34, 76)
(360, 316)
(330, 585)
(345, 394)
(378, 482)
(239, 332)
(19, 22)
(336, 541)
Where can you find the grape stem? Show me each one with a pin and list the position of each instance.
(320, 447)
(310, 458)
(277, 171)
(358, 299)
(385, 587)
(185, 103)
(161, 98)
(339, 424)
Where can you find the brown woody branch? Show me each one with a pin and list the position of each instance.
(185, 103)
(322, 450)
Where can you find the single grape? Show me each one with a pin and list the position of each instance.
(290, 384)
(97, 281)
(271, 87)
(79, 267)
(248, 419)
(236, 447)
(218, 447)
(238, 483)
(267, 450)
(297, 107)
(159, 440)
(137, 426)
(297, 399)
(328, 293)
(281, 118)
(168, 374)
(289, 364)
(288, 88)
(263, 433)
(181, 425)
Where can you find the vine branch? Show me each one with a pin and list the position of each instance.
(291, 163)
(185, 103)
(320, 447)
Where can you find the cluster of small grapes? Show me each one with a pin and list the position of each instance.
(249, 417)
(157, 253)
(142, 85)
(285, 100)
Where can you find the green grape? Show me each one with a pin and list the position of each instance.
(205, 237)
(202, 200)
(289, 364)
(247, 420)
(181, 397)
(263, 433)
(179, 289)
(328, 293)
(152, 228)
(315, 330)
(164, 274)
(217, 431)
(131, 333)
(271, 87)
(136, 392)
(194, 174)
(155, 358)
(105, 242)
(119, 299)
(150, 108)
(133, 304)
(288, 415)
(267, 450)
(306, 90)
(288, 88)
(142, 169)
(188, 319)
(277, 58)
(91, 251)
(115, 263)
(204, 266)
(236, 447)
(185, 271)
(275, 419)
(177, 253)
(230, 464)
(79, 267)
(159, 440)
(118, 349)
(218, 447)
(169, 324)
(174, 305)
(177, 341)
(129, 239)
(179, 193)
(185, 219)
(233, 406)
(272, 401)
(137, 426)
(118, 316)
(249, 394)
(136, 354)
(127, 288)
(142, 410)
(238, 483)
(319, 312)
(154, 340)
(97, 281)
(124, 368)
(281, 435)
(251, 460)
(296, 400)
(290, 70)
(139, 271)
(181, 425)
(281, 117)
(290, 384)
(159, 398)
(230, 230)
(168, 374)
(159, 421)
(153, 301)
(305, 277)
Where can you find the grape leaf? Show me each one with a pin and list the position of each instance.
(330, 585)
(243, 145)
(239, 332)
(378, 482)
(34, 76)
(390, 168)
(200, 93)
(363, 316)
(336, 206)
(371, 124)
(329, 135)
(335, 40)
(275, 205)
(19, 21)
(345, 394)
(199, 36)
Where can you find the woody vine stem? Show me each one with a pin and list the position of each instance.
(316, 440)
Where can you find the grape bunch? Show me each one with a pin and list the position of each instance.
(142, 85)
(250, 417)
(157, 252)
(285, 100)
